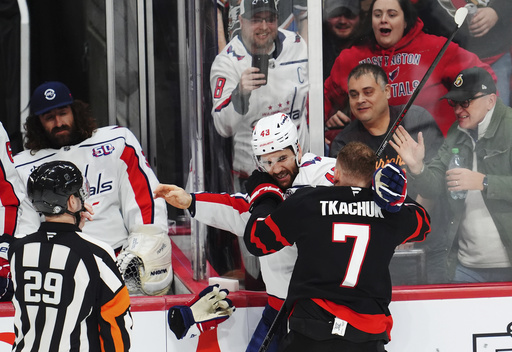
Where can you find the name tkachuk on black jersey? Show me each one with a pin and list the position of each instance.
(69, 293)
(345, 243)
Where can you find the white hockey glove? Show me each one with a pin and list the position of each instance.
(390, 187)
(206, 310)
(145, 261)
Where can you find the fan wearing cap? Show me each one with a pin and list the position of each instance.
(243, 94)
(126, 216)
(480, 229)
(342, 19)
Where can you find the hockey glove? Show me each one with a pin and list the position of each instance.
(260, 185)
(6, 287)
(390, 187)
(145, 261)
(204, 312)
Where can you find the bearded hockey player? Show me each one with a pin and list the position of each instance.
(121, 181)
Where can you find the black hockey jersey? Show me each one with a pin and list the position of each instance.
(69, 293)
(345, 243)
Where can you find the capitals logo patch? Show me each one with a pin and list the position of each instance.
(235, 55)
(394, 74)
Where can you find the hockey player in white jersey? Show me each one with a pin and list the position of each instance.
(242, 94)
(11, 194)
(121, 181)
(277, 150)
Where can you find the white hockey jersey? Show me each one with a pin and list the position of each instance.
(286, 91)
(120, 179)
(11, 188)
(231, 213)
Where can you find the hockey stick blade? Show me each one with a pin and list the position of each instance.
(459, 18)
(273, 328)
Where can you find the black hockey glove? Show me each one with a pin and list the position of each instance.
(390, 187)
(260, 185)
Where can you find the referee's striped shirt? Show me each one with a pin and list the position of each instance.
(69, 293)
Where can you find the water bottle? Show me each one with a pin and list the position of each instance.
(472, 9)
(456, 162)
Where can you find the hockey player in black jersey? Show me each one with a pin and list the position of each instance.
(340, 287)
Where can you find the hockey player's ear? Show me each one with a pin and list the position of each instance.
(299, 153)
(337, 175)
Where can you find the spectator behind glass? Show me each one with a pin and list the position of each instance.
(242, 95)
(393, 39)
(369, 92)
(292, 15)
(341, 21)
(487, 33)
(479, 231)
(126, 216)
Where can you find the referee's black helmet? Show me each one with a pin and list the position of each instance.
(51, 184)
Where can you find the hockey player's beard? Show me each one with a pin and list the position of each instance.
(58, 139)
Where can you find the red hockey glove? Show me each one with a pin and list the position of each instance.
(6, 287)
(390, 187)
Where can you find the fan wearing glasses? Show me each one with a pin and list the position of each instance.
(479, 229)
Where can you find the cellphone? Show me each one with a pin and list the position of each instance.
(261, 61)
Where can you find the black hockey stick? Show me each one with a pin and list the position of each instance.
(281, 315)
(460, 16)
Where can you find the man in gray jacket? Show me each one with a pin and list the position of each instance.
(480, 226)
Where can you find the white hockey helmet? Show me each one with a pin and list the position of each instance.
(274, 133)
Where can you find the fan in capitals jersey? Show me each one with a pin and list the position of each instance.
(286, 91)
(291, 12)
(120, 182)
(69, 293)
(405, 64)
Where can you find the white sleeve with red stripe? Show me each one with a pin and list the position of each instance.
(11, 190)
(228, 212)
(138, 206)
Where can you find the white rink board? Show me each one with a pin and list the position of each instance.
(440, 325)
(451, 325)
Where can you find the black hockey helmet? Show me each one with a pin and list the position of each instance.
(51, 184)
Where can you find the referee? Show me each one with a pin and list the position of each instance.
(69, 293)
